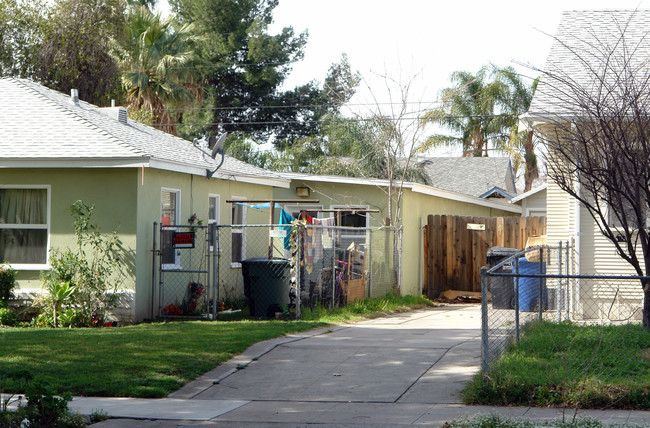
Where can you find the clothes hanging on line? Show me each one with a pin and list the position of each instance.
(286, 218)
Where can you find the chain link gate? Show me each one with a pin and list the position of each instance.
(184, 263)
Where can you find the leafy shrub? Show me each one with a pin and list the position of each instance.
(47, 409)
(7, 317)
(44, 408)
(95, 269)
(7, 282)
(44, 319)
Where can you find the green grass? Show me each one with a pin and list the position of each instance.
(367, 308)
(150, 360)
(496, 421)
(570, 365)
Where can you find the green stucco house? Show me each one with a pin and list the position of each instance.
(56, 149)
(417, 203)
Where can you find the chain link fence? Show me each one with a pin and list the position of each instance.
(184, 285)
(562, 338)
(270, 270)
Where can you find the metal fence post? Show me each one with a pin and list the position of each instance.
(558, 294)
(399, 257)
(517, 300)
(541, 283)
(368, 256)
(484, 322)
(298, 273)
(154, 253)
(212, 233)
(160, 272)
(566, 297)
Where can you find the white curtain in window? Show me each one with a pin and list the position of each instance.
(23, 225)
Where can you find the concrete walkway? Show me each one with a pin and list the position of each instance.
(405, 369)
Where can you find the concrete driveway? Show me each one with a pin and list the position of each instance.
(420, 357)
(400, 370)
(342, 375)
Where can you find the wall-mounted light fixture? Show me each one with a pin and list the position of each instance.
(303, 191)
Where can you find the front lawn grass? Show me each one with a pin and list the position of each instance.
(149, 360)
(570, 365)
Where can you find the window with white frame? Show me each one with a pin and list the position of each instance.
(169, 216)
(350, 217)
(213, 208)
(238, 235)
(24, 226)
(213, 215)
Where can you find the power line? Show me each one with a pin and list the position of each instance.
(294, 106)
(281, 122)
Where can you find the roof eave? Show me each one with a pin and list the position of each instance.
(74, 162)
(428, 190)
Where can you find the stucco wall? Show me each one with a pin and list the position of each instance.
(414, 211)
(195, 191)
(342, 194)
(126, 200)
(111, 191)
(417, 207)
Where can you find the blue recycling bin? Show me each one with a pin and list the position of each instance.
(529, 287)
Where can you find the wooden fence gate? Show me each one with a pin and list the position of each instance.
(455, 248)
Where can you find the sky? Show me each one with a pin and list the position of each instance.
(424, 41)
(426, 37)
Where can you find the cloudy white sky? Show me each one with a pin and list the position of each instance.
(428, 39)
(425, 38)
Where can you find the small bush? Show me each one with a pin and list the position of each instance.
(44, 408)
(7, 318)
(94, 270)
(7, 282)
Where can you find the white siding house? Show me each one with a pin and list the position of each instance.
(580, 35)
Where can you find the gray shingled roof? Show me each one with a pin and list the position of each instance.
(40, 124)
(587, 43)
(470, 176)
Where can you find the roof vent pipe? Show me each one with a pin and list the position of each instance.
(74, 96)
(112, 103)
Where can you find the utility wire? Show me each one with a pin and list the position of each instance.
(280, 122)
(294, 106)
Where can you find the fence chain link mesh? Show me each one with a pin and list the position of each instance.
(581, 334)
(185, 288)
(232, 267)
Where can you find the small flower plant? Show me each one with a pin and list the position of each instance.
(172, 310)
(195, 290)
(194, 219)
(190, 304)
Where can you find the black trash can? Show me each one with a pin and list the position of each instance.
(267, 283)
(502, 288)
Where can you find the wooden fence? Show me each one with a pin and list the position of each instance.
(456, 247)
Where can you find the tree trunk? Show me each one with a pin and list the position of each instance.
(531, 162)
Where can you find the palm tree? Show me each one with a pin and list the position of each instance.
(156, 61)
(468, 111)
(520, 146)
